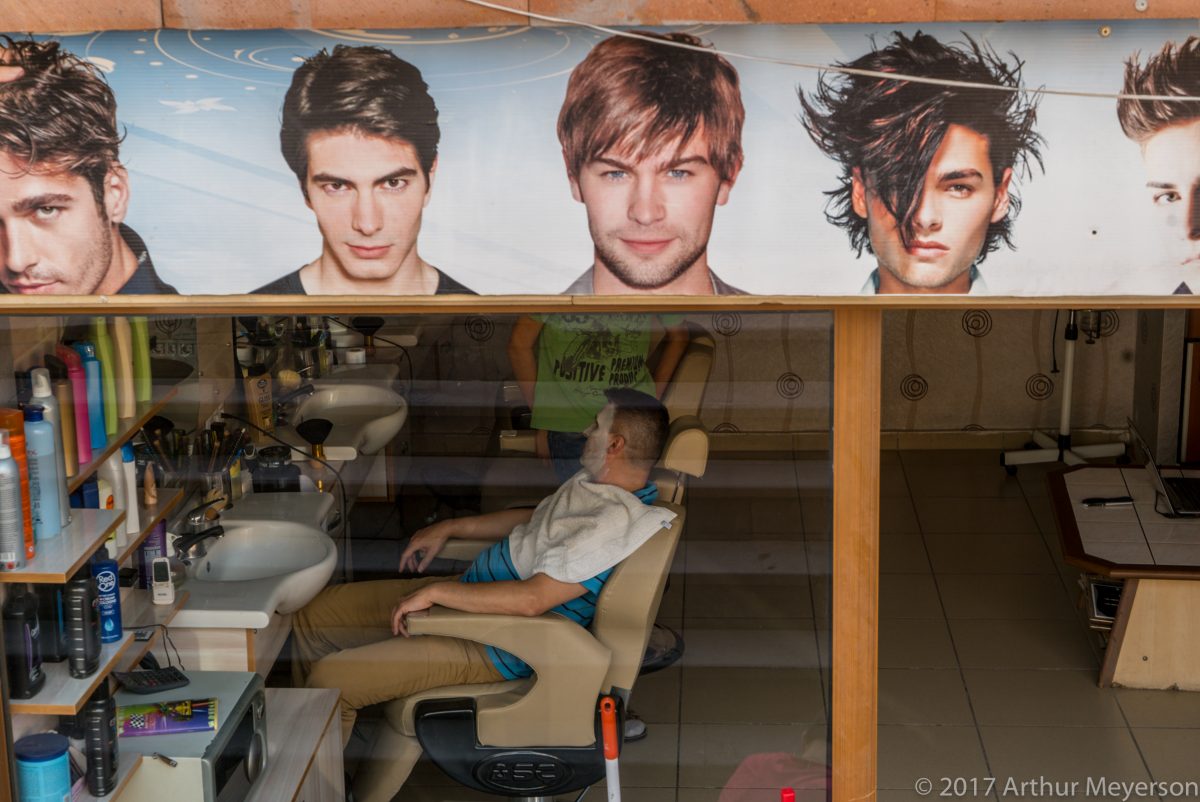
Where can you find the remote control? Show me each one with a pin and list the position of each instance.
(153, 681)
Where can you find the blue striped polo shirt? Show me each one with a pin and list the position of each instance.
(495, 565)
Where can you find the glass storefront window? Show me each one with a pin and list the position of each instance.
(299, 459)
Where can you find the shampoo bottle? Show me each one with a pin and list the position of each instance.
(94, 394)
(43, 395)
(64, 396)
(80, 605)
(108, 596)
(52, 623)
(100, 741)
(108, 374)
(12, 522)
(112, 472)
(43, 474)
(129, 470)
(78, 378)
(142, 386)
(14, 421)
(21, 634)
(155, 545)
(122, 338)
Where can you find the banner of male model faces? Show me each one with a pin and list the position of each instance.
(517, 160)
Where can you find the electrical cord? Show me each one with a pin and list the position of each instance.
(168, 643)
(1054, 345)
(345, 523)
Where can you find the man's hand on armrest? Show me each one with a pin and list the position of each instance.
(428, 543)
(526, 597)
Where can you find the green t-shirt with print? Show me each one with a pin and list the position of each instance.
(581, 356)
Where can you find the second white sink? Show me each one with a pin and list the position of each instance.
(365, 417)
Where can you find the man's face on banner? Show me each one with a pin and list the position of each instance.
(368, 193)
(650, 219)
(959, 201)
(54, 237)
(1172, 159)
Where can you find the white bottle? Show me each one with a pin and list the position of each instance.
(129, 469)
(112, 471)
(43, 396)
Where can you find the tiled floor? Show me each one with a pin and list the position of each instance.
(985, 671)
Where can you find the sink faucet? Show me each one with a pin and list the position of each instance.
(195, 530)
(286, 403)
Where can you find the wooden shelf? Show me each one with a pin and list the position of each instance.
(139, 611)
(60, 557)
(128, 764)
(126, 427)
(63, 695)
(148, 517)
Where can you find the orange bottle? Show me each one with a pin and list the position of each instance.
(14, 421)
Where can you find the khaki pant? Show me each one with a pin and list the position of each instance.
(343, 640)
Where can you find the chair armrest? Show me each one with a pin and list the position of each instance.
(523, 441)
(464, 549)
(570, 665)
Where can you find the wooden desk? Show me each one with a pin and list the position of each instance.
(1155, 641)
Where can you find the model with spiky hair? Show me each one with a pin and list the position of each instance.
(927, 165)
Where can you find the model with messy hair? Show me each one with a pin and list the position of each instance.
(1169, 135)
(360, 131)
(927, 167)
(651, 134)
(63, 190)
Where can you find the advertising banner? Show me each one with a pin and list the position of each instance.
(1014, 159)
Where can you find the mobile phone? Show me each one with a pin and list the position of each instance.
(161, 586)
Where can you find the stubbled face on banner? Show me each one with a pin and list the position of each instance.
(650, 220)
(55, 238)
(959, 201)
(368, 194)
(1172, 158)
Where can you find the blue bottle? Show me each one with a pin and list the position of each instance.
(95, 393)
(43, 474)
(104, 571)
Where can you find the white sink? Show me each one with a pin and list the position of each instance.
(365, 417)
(260, 567)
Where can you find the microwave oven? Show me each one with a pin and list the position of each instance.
(220, 765)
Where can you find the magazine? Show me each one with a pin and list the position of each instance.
(167, 718)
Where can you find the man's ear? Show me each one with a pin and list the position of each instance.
(616, 443)
(858, 193)
(429, 181)
(572, 178)
(727, 185)
(1000, 203)
(116, 194)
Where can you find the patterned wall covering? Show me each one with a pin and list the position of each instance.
(981, 370)
(943, 371)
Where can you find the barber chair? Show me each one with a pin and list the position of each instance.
(537, 737)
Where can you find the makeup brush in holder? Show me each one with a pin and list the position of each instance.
(315, 431)
(367, 326)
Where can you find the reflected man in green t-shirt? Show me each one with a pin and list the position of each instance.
(564, 363)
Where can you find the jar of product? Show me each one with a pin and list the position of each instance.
(275, 472)
(43, 774)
